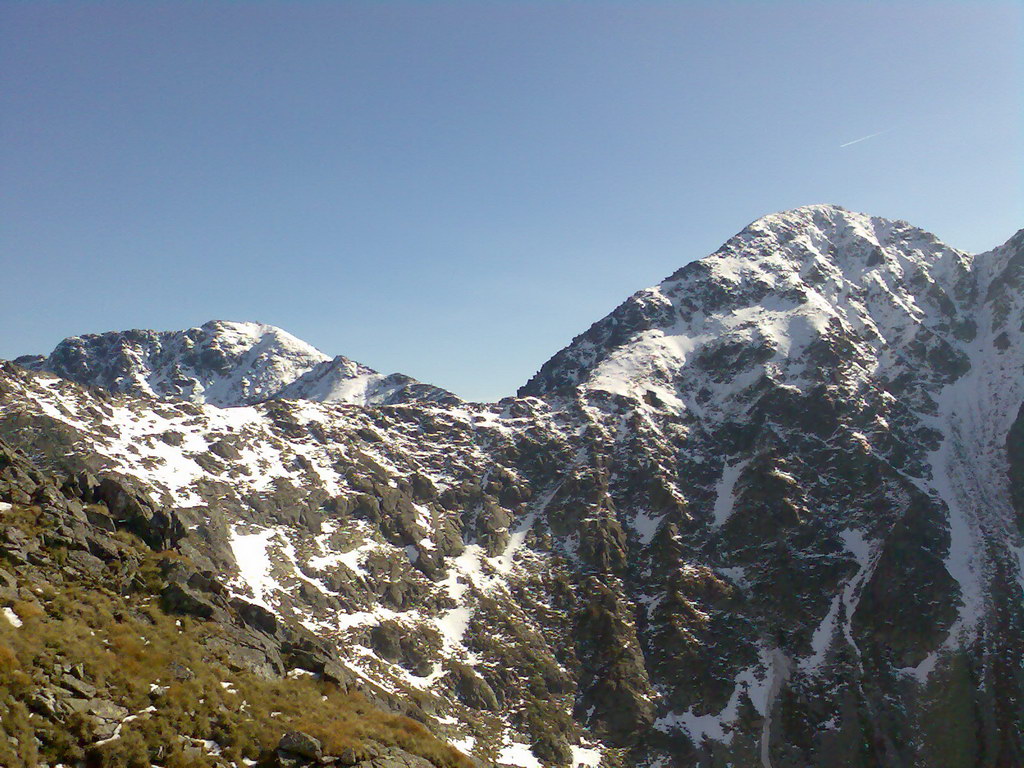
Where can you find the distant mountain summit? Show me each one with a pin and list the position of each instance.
(224, 364)
(773, 292)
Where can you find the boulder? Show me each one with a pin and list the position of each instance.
(8, 586)
(76, 685)
(85, 563)
(131, 510)
(302, 744)
(471, 689)
(255, 616)
(180, 671)
(183, 600)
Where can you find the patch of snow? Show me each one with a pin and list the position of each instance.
(114, 737)
(464, 744)
(503, 563)
(344, 621)
(211, 746)
(11, 616)
(822, 637)
(860, 548)
(452, 625)
(646, 525)
(724, 491)
(516, 753)
(353, 559)
(587, 756)
(857, 545)
(923, 670)
(254, 564)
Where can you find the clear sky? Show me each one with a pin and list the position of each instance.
(455, 190)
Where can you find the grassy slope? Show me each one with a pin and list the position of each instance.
(126, 644)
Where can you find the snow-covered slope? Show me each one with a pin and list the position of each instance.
(221, 363)
(766, 297)
(766, 513)
(225, 364)
(345, 381)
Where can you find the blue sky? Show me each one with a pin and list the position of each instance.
(455, 190)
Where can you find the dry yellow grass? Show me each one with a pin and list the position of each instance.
(126, 644)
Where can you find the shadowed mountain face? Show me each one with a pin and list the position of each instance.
(766, 513)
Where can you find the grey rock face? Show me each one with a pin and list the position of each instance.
(301, 744)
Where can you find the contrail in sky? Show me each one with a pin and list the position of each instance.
(864, 138)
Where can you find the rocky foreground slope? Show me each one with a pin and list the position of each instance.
(116, 652)
(766, 513)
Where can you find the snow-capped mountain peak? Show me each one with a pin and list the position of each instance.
(221, 363)
(784, 283)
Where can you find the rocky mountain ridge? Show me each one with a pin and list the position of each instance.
(766, 513)
(225, 364)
